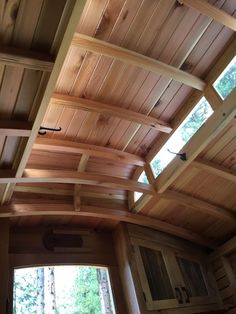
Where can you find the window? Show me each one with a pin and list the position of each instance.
(62, 290)
(182, 135)
(226, 82)
(142, 178)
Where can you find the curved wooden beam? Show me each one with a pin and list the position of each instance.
(20, 210)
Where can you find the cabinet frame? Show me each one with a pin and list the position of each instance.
(176, 278)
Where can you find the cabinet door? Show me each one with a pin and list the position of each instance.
(196, 288)
(159, 289)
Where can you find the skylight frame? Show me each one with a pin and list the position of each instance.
(230, 65)
(175, 137)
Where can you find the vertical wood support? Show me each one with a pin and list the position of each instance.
(4, 264)
(81, 168)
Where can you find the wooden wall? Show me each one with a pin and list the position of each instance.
(223, 261)
(26, 249)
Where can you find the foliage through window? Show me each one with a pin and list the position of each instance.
(182, 135)
(226, 82)
(142, 178)
(62, 290)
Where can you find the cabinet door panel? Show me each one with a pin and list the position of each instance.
(157, 276)
(193, 277)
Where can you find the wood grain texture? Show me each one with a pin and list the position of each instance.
(106, 109)
(15, 128)
(131, 57)
(73, 177)
(215, 124)
(215, 169)
(18, 210)
(26, 58)
(211, 11)
(70, 147)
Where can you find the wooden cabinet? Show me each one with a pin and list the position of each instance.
(169, 275)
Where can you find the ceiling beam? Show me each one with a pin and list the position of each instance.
(206, 208)
(56, 191)
(15, 128)
(217, 69)
(74, 177)
(61, 146)
(77, 189)
(189, 202)
(209, 10)
(213, 126)
(20, 210)
(218, 170)
(45, 92)
(136, 59)
(118, 112)
(225, 249)
(26, 58)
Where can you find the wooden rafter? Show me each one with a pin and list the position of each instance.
(200, 205)
(125, 114)
(185, 110)
(190, 202)
(44, 98)
(225, 249)
(214, 125)
(26, 58)
(218, 170)
(77, 189)
(69, 147)
(177, 62)
(56, 191)
(136, 59)
(36, 209)
(15, 128)
(74, 177)
(208, 9)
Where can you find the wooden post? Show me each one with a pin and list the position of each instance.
(4, 264)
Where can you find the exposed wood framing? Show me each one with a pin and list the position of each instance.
(15, 128)
(61, 146)
(200, 205)
(186, 108)
(207, 9)
(178, 61)
(227, 248)
(218, 170)
(212, 97)
(45, 98)
(42, 190)
(77, 189)
(136, 59)
(216, 123)
(18, 210)
(118, 112)
(52, 191)
(25, 58)
(73, 177)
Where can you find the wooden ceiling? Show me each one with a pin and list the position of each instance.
(118, 77)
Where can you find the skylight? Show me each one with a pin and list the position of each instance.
(142, 178)
(226, 82)
(182, 135)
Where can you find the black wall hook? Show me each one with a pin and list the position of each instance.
(47, 129)
(182, 156)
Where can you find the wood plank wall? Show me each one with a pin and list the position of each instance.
(224, 268)
(26, 249)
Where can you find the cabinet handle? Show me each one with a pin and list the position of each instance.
(185, 292)
(178, 295)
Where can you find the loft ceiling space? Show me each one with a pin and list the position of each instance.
(118, 77)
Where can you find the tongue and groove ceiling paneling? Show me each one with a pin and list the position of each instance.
(108, 141)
